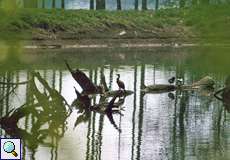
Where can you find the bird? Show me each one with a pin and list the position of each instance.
(172, 80)
(120, 84)
(179, 81)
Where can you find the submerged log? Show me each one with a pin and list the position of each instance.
(206, 82)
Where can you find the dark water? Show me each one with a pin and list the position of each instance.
(192, 126)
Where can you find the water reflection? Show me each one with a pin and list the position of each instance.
(179, 125)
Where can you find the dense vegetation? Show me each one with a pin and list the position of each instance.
(207, 22)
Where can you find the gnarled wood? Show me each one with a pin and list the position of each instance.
(85, 83)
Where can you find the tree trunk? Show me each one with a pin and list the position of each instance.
(136, 4)
(118, 4)
(144, 4)
(182, 3)
(63, 4)
(157, 5)
(53, 4)
(91, 5)
(43, 3)
(100, 4)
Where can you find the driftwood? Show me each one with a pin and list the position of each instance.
(89, 88)
(206, 82)
(85, 83)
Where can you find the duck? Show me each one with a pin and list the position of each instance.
(179, 81)
(172, 80)
(120, 83)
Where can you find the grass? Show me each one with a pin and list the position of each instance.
(210, 23)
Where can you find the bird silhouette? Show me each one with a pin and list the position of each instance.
(172, 80)
(120, 84)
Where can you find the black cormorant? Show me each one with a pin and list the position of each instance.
(120, 84)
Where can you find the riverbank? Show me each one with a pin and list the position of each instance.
(164, 26)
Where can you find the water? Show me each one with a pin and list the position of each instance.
(193, 126)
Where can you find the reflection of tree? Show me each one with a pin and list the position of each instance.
(183, 104)
(83, 104)
(134, 112)
(224, 94)
(141, 114)
(47, 111)
(88, 109)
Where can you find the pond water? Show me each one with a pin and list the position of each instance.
(182, 125)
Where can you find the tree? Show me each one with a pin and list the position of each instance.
(136, 4)
(118, 4)
(157, 5)
(91, 6)
(100, 4)
(53, 3)
(43, 3)
(63, 4)
(144, 4)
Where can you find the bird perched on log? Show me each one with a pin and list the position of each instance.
(172, 80)
(120, 84)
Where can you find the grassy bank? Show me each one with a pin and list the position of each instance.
(210, 23)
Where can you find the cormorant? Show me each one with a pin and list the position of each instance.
(120, 84)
